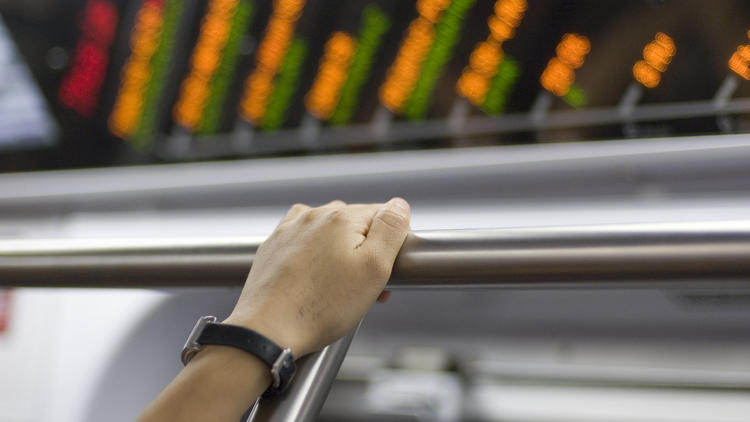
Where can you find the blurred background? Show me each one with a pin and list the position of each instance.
(169, 118)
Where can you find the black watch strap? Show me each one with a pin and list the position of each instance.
(280, 361)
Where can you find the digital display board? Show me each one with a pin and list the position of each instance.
(173, 80)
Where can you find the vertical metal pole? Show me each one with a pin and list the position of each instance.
(309, 390)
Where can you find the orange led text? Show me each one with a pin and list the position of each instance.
(739, 63)
(278, 35)
(323, 97)
(476, 78)
(136, 72)
(656, 57)
(559, 74)
(214, 32)
(404, 72)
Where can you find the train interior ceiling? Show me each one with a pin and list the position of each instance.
(191, 118)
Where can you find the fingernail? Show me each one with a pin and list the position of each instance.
(400, 203)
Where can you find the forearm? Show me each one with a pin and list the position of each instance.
(219, 384)
(311, 281)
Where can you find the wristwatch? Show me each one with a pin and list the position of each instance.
(208, 331)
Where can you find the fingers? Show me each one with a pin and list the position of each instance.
(384, 296)
(388, 230)
(298, 209)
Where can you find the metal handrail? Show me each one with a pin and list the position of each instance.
(308, 392)
(713, 254)
(660, 254)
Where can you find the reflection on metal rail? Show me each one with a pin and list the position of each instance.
(663, 254)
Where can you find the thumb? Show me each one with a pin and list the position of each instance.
(388, 229)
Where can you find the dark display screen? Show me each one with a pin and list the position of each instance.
(120, 82)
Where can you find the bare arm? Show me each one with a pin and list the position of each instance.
(312, 281)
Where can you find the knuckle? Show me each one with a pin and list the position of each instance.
(393, 219)
(336, 203)
(282, 228)
(308, 215)
(298, 207)
(295, 210)
(335, 215)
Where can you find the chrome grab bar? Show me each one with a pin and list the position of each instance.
(710, 254)
(628, 255)
(305, 397)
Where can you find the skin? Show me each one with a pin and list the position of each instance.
(312, 280)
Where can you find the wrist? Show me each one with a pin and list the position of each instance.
(211, 356)
(278, 332)
(207, 331)
(228, 374)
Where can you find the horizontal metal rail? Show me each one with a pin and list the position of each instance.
(183, 147)
(676, 254)
(651, 172)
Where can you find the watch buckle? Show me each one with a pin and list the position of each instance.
(277, 364)
(191, 345)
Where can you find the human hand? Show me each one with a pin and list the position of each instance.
(320, 271)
